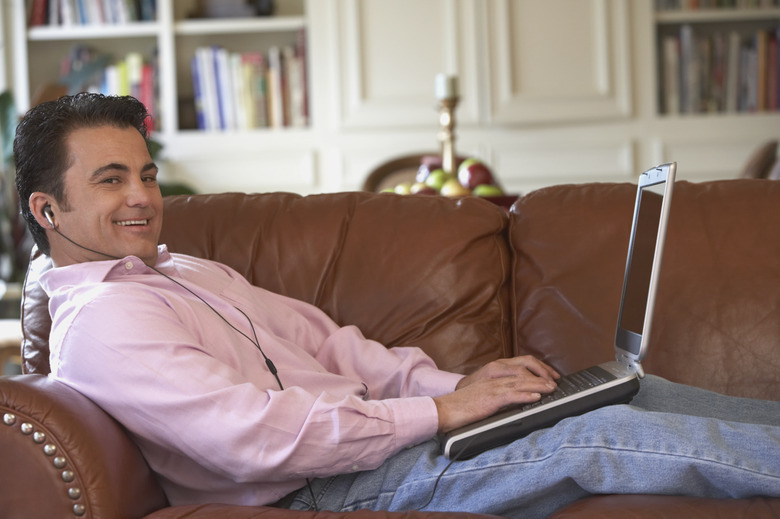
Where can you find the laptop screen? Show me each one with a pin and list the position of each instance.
(640, 263)
(645, 248)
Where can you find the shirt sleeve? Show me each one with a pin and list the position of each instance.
(387, 372)
(138, 360)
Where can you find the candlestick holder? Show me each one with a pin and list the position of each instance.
(447, 132)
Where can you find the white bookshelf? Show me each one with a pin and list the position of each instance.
(718, 58)
(174, 35)
(584, 109)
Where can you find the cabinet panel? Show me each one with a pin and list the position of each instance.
(522, 167)
(245, 170)
(705, 159)
(387, 54)
(548, 67)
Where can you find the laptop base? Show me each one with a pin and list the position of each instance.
(468, 441)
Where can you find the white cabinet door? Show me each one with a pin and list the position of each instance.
(385, 55)
(518, 61)
(558, 60)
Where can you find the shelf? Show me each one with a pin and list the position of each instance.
(715, 15)
(239, 25)
(81, 32)
(722, 117)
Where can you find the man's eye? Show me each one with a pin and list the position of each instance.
(110, 180)
(150, 179)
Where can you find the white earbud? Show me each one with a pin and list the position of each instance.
(49, 215)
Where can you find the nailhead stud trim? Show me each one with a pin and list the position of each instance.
(59, 462)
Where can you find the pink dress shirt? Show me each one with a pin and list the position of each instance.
(197, 396)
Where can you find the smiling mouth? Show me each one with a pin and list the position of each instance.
(126, 223)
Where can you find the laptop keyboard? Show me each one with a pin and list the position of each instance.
(574, 383)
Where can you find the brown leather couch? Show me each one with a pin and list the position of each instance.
(464, 279)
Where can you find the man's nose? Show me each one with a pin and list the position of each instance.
(138, 193)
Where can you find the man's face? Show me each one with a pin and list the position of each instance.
(112, 201)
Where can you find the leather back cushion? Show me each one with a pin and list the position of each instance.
(717, 322)
(414, 270)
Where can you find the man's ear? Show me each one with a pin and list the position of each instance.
(39, 201)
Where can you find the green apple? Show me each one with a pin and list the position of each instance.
(437, 178)
(487, 190)
(454, 188)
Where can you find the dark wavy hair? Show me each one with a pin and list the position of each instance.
(40, 145)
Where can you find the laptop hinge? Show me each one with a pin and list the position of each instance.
(632, 364)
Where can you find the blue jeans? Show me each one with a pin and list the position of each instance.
(672, 439)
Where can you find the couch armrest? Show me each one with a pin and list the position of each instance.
(662, 507)
(62, 456)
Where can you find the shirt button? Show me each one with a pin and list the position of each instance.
(129, 265)
(355, 468)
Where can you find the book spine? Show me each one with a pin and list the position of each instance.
(54, 13)
(275, 89)
(147, 94)
(197, 92)
(38, 13)
(671, 75)
(208, 88)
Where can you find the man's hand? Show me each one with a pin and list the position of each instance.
(503, 382)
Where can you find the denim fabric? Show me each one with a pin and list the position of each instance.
(672, 439)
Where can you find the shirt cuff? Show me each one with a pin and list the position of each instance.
(416, 420)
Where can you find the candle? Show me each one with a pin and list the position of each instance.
(446, 86)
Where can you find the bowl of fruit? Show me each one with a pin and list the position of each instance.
(472, 178)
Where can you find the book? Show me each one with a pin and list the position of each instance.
(761, 69)
(255, 73)
(773, 81)
(241, 96)
(671, 75)
(275, 88)
(148, 94)
(38, 13)
(208, 88)
(224, 88)
(689, 71)
(732, 72)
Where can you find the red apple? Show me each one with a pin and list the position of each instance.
(473, 173)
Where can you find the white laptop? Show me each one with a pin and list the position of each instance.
(609, 383)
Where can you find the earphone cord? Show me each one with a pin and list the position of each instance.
(255, 342)
(445, 469)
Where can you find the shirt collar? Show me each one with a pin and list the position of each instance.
(90, 272)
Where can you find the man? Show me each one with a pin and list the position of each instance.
(237, 395)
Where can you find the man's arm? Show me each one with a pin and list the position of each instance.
(146, 367)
